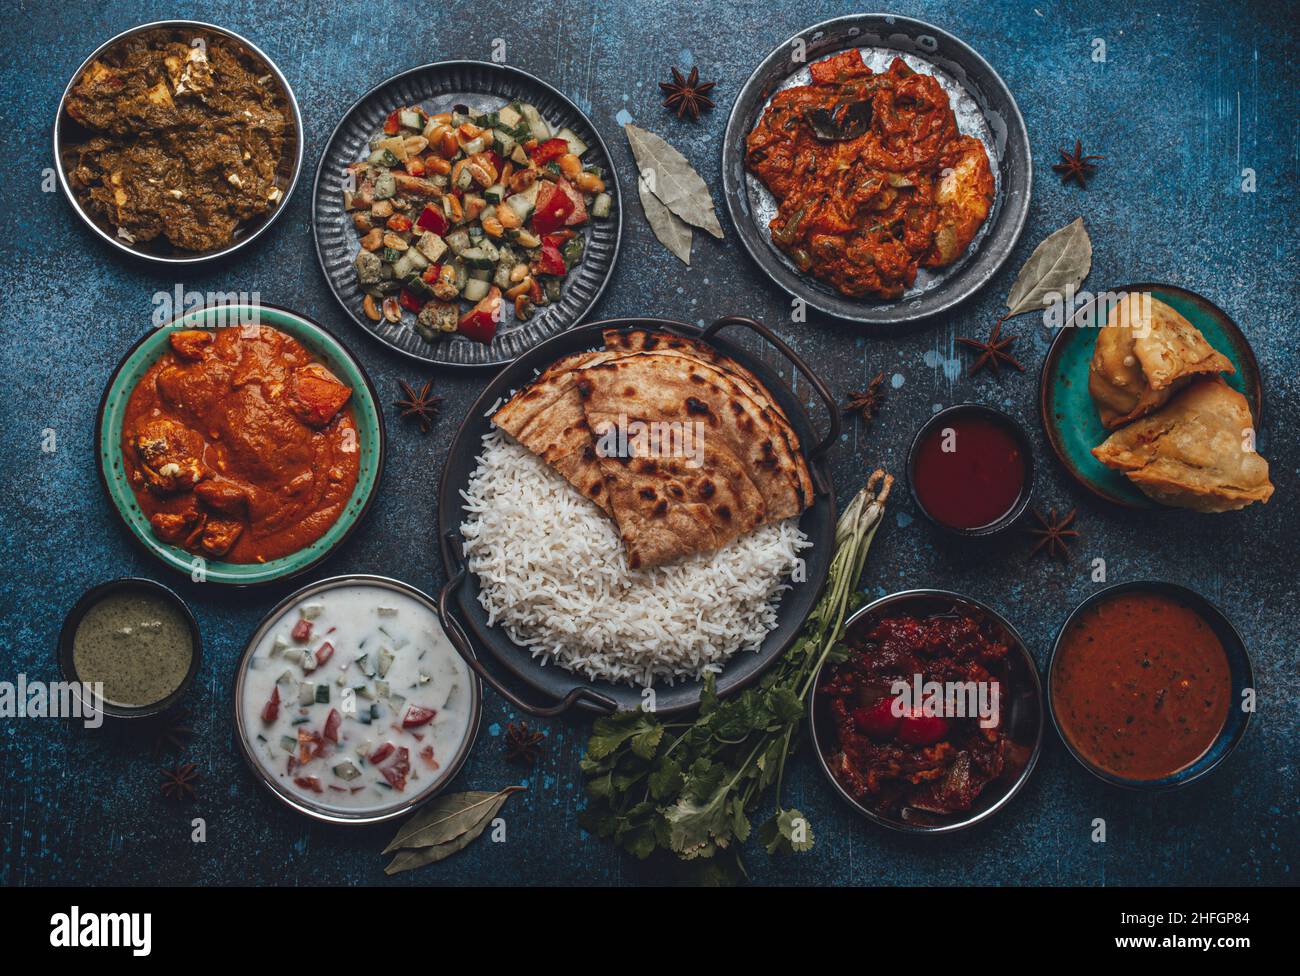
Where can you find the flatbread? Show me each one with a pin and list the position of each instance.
(547, 418)
(1195, 452)
(737, 379)
(1145, 353)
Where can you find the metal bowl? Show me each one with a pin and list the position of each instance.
(78, 612)
(1021, 436)
(1022, 708)
(467, 623)
(301, 804)
(1240, 671)
(985, 108)
(159, 250)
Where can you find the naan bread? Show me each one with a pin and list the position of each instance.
(1145, 353)
(1195, 452)
(547, 418)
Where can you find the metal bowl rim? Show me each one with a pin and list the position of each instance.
(903, 596)
(301, 804)
(865, 317)
(165, 259)
(1201, 603)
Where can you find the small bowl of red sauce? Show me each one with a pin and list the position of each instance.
(1149, 685)
(932, 720)
(970, 470)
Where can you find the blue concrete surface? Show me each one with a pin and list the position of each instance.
(1188, 96)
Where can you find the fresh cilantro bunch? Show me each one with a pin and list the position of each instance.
(695, 787)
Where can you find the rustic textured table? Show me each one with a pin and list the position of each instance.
(1187, 97)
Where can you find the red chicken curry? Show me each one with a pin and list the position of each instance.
(872, 178)
(239, 445)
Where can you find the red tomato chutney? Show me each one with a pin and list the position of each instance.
(968, 471)
(1140, 686)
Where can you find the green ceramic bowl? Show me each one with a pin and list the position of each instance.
(108, 445)
(1069, 417)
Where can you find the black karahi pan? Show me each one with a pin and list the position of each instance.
(550, 689)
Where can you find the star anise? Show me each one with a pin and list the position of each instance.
(1076, 166)
(424, 405)
(992, 352)
(1054, 535)
(687, 96)
(866, 402)
(523, 745)
(180, 782)
(171, 734)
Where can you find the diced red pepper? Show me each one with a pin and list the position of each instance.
(332, 723)
(548, 150)
(427, 755)
(918, 729)
(271, 710)
(480, 322)
(409, 301)
(392, 125)
(400, 223)
(553, 208)
(497, 161)
(396, 772)
(877, 721)
(301, 630)
(431, 273)
(433, 220)
(551, 261)
(309, 783)
(579, 214)
(417, 715)
(382, 753)
(323, 654)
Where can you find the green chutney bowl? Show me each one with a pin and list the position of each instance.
(326, 348)
(1068, 414)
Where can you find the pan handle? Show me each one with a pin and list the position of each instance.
(832, 408)
(461, 642)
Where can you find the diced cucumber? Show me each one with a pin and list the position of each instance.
(346, 771)
(431, 246)
(480, 274)
(385, 661)
(526, 238)
(474, 146)
(306, 693)
(576, 145)
(503, 142)
(322, 694)
(536, 124)
(478, 258)
(602, 205)
(502, 277)
(288, 743)
(466, 179)
(495, 193)
(410, 118)
(458, 241)
(509, 116)
(475, 290)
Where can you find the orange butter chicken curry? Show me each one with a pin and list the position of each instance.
(239, 445)
(872, 177)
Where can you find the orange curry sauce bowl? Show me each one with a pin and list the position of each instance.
(279, 527)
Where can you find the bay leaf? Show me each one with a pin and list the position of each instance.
(673, 180)
(450, 816)
(1061, 261)
(672, 232)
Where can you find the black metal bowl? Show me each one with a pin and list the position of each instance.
(985, 108)
(1022, 707)
(1240, 671)
(68, 133)
(78, 612)
(438, 87)
(459, 598)
(1017, 431)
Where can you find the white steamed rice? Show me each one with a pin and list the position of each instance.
(553, 572)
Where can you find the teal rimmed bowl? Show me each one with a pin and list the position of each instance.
(1069, 417)
(112, 471)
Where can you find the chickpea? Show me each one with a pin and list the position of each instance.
(570, 165)
(589, 183)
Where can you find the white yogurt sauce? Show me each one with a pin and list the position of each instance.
(338, 695)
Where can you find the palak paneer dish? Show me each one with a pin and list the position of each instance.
(239, 445)
(872, 177)
(185, 135)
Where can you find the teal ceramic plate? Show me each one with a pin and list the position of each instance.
(1069, 418)
(108, 445)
